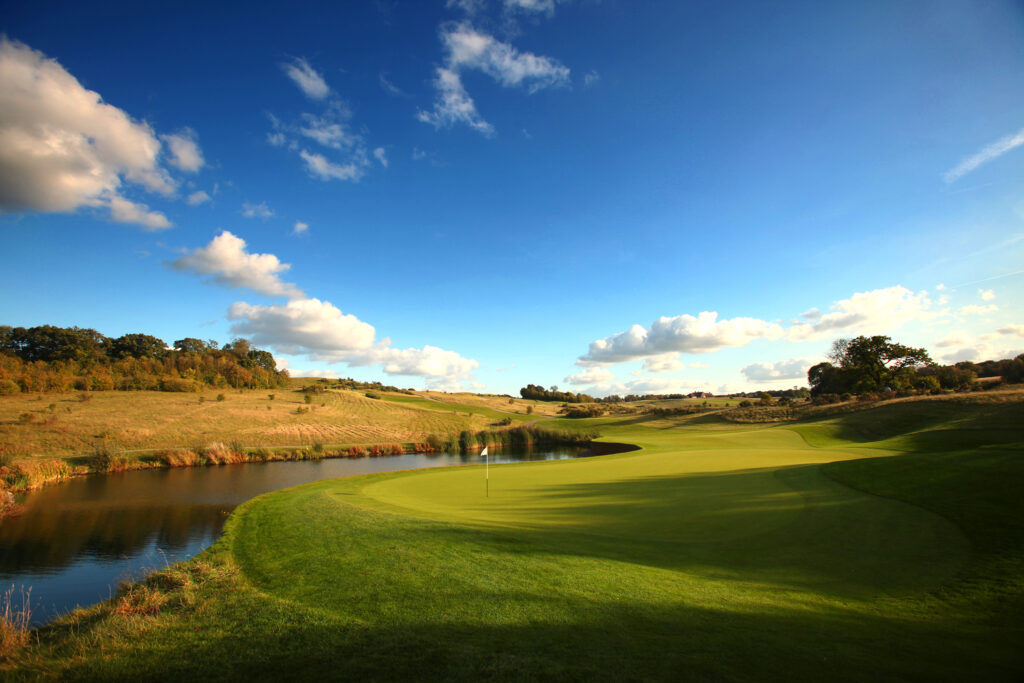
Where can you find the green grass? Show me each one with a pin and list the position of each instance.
(846, 548)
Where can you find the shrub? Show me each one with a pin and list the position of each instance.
(85, 397)
(529, 410)
(318, 449)
(105, 459)
(221, 397)
(8, 387)
(179, 385)
(746, 404)
(372, 394)
(308, 399)
(270, 396)
(356, 451)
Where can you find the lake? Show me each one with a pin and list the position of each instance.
(76, 540)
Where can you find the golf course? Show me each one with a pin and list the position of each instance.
(882, 541)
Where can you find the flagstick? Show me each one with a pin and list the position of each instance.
(487, 473)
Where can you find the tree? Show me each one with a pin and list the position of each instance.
(867, 364)
(190, 345)
(136, 346)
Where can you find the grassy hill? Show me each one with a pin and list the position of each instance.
(886, 543)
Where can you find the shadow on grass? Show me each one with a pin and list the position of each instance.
(268, 640)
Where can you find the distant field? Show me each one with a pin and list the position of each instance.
(147, 420)
(883, 544)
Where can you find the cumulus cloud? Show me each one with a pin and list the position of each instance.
(184, 151)
(226, 262)
(320, 330)
(979, 351)
(299, 228)
(986, 294)
(198, 197)
(878, 310)
(307, 78)
(381, 155)
(260, 210)
(330, 129)
(794, 368)
(310, 326)
(985, 155)
(1016, 330)
(873, 312)
(703, 333)
(590, 376)
(664, 363)
(62, 147)
(467, 49)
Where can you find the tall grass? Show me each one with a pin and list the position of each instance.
(15, 616)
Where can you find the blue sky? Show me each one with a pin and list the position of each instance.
(613, 197)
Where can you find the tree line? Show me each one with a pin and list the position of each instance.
(55, 359)
(535, 392)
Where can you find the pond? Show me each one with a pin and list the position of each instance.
(76, 540)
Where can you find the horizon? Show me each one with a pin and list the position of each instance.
(476, 196)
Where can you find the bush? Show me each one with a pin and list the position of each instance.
(372, 394)
(746, 404)
(8, 387)
(221, 397)
(104, 459)
(178, 384)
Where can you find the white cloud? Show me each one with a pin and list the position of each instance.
(260, 210)
(62, 147)
(198, 197)
(876, 311)
(454, 105)
(538, 6)
(975, 309)
(986, 294)
(794, 368)
(873, 312)
(277, 138)
(308, 326)
(941, 287)
(698, 365)
(184, 151)
(993, 151)
(227, 263)
(1016, 330)
(663, 363)
(381, 155)
(320, 330)
(306, 77)
(299, 228)
(330, 129)
(320, 167)
(468, 49)
(980, 351)
(467, 6)
(703, 333)
(590, 376)
(124, 211)
(591, 79)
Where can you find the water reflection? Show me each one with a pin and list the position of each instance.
(77, 539)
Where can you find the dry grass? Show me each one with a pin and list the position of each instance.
(158, 420)
(15, 615)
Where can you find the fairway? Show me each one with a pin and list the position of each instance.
(714, 552)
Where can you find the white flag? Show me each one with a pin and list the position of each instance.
(483, 452)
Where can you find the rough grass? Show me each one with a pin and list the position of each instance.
(715, 553)
(161, 420)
